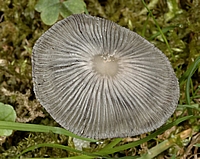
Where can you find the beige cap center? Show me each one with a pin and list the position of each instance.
(106, 64)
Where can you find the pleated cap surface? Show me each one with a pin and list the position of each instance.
(100, 80)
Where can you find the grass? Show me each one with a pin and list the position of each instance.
(177, 37)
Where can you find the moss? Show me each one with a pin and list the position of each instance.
(31, 139)
(21, 25)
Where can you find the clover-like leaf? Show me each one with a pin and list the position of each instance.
(50, 9)
(75, 6)
(7, 113)
(50, 14)
(64, 11)
(42, 4)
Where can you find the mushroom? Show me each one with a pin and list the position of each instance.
(100, 80)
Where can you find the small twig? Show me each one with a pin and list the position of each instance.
(1, 18)
(195, 140)
(153, 152)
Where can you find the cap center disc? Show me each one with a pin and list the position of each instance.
(105, 65)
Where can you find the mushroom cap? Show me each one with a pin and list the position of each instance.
(100, 80)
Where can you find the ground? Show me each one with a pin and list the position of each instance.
(179, 20)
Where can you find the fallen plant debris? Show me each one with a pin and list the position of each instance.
(21, 26)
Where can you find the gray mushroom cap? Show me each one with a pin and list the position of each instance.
(100, 80)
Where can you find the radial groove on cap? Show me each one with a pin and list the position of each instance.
(100, 80)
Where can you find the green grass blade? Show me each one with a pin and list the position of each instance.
(80, 157)
(163, 36)
(129, 157)
(192, 70)
(173, 156)
(197, 145)
(75, 157)
(164, 30)
(67, 148)
(153, 135)
(112, 144)
(145, 25)
(39, 128)
(185, 76)
(194, 106)
(159, 148)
